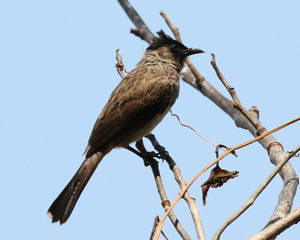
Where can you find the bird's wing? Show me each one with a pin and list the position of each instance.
(135, 102)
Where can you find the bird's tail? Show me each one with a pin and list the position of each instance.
(63, 205)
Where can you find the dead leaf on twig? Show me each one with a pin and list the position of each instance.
(216, 179)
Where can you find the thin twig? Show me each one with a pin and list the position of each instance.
(278, 227)
(251, 200)
(198, 76)
(215, 161)
(235, 100)
(156, 220)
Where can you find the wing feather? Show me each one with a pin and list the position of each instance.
(134, 104)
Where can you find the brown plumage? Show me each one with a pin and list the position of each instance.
(134, 109)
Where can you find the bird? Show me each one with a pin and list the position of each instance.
(135, 107)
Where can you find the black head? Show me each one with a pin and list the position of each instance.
(176, 47)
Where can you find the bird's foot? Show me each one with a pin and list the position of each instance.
(148, 156)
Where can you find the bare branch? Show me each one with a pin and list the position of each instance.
(181, 182)
(251, 200)
(162, 193)
(247, 121)
(228, 151)
(156, 220)
(275, 151)
(145, 33)
(278, 227)
(287, 173)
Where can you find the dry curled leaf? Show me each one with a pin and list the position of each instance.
(216, 179)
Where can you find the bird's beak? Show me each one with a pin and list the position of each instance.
(191, 51)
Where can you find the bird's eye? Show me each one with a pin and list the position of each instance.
(175, 47)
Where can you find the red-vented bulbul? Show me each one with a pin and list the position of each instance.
(135, 107)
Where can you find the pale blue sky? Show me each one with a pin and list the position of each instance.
(57, 70)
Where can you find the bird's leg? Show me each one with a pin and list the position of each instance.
(131, 149)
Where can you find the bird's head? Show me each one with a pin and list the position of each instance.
(170, 49)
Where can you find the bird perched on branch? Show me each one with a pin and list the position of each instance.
(135, 107)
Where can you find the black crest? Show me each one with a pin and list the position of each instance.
(164, 41)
